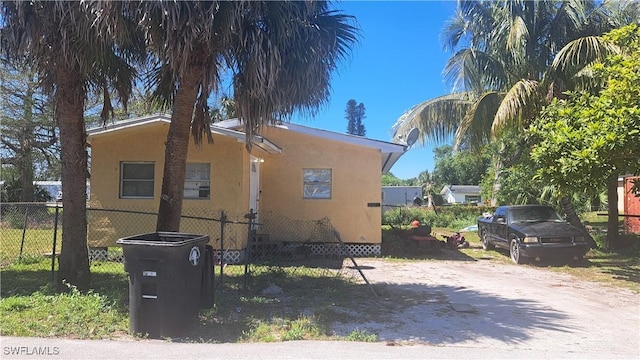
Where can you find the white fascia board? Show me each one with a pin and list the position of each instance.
(390, 152)
(259, 141)
(384, 146)
(126, 124)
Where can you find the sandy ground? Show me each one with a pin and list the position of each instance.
(484, 304)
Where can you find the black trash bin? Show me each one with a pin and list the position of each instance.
(208, 280)
(165, 281)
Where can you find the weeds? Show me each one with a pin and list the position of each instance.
(361, 335)
(71, 314)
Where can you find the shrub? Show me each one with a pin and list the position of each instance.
(457, 216)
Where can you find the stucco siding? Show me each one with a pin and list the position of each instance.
(353, 208)
(147, 144)
(356, 177)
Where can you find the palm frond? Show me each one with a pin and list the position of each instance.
(473, 131)
(453, 31)
(436, 119)
(517, 39)
(518, 103)
(582, 52)
(283, 64)
(476, 71)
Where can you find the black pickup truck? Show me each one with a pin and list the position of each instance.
(531, 232)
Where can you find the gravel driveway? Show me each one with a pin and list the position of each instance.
(483, 304)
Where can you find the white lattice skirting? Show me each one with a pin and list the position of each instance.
(102, 254)
(356, 250)
(237, 256)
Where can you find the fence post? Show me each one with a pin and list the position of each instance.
(24, 231)
(247, 252)
(53, 250)
(223, 221)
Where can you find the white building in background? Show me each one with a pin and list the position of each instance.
(53, 188)
(461, 194)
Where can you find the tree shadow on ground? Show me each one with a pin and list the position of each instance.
(23, 282)
(442, 314)
(620, 267)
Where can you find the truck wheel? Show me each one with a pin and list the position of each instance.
(486, 245)
(514, 252)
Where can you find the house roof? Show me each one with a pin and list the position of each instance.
(151, 120)
(391, 152)
(462, 189)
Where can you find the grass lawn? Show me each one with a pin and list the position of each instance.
(33, 242)
(239, 314)
(27, 309)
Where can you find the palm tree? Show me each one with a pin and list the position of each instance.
(70, 45)
(502, 72)
(280, 55)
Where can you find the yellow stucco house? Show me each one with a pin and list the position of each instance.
(294, 175)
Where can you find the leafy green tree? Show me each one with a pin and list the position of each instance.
(11, 191)
(72, 47)
(459, 167)
(391, 180)
(588, 140)
(280, 54)
(355, 113)
(29, 135)
(225, 109)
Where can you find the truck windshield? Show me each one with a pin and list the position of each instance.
(534, 214)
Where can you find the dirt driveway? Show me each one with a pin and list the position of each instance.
(484, 304)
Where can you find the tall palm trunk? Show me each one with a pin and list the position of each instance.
(573, 219)
(176, 150)
(612, 221)
(74, 257)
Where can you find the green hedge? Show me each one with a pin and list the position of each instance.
(453, 216)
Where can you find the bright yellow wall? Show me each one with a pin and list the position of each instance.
(356, 174)
(355, 183)
(146, 143)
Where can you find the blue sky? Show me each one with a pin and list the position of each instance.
(397, 64)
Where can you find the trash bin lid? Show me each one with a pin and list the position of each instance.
(163, 239)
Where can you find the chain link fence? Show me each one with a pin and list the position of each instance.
(30, 231)
(263, 243)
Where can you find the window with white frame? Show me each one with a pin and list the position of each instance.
(471, 198)
(197, 183)
(317, 184)
(137, 179)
